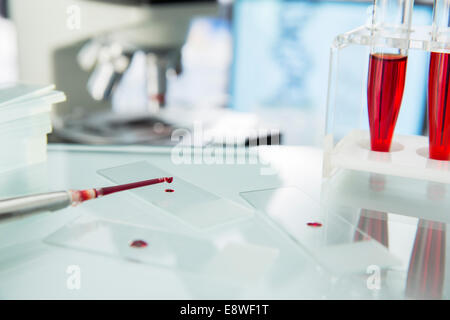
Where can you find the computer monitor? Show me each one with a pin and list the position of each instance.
(281, 60)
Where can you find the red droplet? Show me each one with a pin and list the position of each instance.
(169, 190)
(314, 224)
(169, 180)
(138, 244)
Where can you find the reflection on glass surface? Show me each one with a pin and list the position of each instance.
(427, 264)
(374, 224)
(409, 220)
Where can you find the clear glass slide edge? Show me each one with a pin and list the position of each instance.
(337, 245)
(16, 92)
(189, 203)
(419, 37)
(30, 107)
(49, 98)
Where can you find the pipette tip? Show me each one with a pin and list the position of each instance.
(168, 179)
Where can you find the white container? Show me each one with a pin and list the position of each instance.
(408, 157)
(25, 121)
(30, 107)
(24, 141)
(28, 126)
(22, 152)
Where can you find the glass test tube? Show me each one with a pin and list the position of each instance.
(387, 71)
(438, 85)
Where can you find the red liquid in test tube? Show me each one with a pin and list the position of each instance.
(385, 85)
(438, 106)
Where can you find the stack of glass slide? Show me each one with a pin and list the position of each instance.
(361, 116)
(25, 121)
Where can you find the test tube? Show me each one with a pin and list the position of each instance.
(438, 84)
(387, 71)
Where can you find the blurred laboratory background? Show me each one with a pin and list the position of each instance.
(135, 71)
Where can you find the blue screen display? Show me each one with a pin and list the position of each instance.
(281, 56)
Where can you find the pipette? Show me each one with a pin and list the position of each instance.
(52, 201)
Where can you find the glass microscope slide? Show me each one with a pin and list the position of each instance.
(191, 204)
(134, 243)
(336, 244)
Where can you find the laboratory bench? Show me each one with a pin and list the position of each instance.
(250, 256)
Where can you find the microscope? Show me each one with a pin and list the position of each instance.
(117, 79)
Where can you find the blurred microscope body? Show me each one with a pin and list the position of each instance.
(133, 71)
